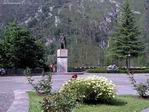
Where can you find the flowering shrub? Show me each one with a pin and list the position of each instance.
(58, 102)
(91, 88)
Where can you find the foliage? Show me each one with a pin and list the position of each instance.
(76, 69)
(59, 102)
(120, 70)
(139, 70)
(141, 88)
(27, 72)
(87, 53)
(91, 88)
(42, 87)
(97, 70)
(51, 53)
(20, 49)
(125, 40)
(5, 54)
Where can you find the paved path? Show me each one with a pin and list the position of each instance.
(5, 100)
(15, 87)
(20, 103)
(9, 90)
(145, 110)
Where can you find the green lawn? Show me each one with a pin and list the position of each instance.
(123, 104)
(34, 100)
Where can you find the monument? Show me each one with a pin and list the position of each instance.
(62, 56)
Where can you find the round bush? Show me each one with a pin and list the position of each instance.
(90, 88)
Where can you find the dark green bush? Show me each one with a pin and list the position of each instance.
(59, 102)
(78, 69)
(136, 70)
(140, 71)
(142, 89)
(120, 70)
(97, 70)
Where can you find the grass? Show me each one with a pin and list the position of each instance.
(34, 101)
(122, 104)
(126, 104)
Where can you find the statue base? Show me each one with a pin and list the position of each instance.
(62, 60)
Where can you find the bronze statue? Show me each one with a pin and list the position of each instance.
(63, 42)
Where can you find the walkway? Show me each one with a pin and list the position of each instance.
(10, 87)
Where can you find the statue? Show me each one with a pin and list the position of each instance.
(62, 55)
(63, 42)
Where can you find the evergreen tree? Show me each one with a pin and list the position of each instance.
(125, 41)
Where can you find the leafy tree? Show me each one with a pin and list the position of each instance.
(20, 49)
(125, 40)
(3, 58)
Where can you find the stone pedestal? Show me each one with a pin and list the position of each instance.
(62, 60)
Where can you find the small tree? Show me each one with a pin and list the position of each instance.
(125, 40)
(21, 50)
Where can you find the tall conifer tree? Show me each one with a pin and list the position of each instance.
(125, 41)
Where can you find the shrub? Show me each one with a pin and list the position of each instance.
(43, 86)
(59, 102)
(120, 70)
(27, 71)
(141, 88)
(91, 88)
(97, 70)
(135, 70)
(77, 69)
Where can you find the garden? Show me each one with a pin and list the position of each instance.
(92, 93)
